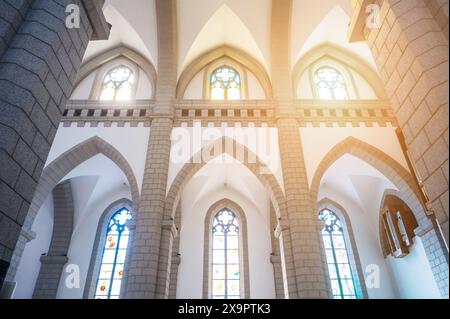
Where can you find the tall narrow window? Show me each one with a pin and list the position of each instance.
(117, 84)
(342, 281)
(225, 84)
(330, 84)
(114, 253)
(225, 256)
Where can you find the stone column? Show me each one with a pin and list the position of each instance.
(410, 47)
(310, 274)
(275, 258)
(176, 257)
(39, 59)
(142, 272)
(53, 263)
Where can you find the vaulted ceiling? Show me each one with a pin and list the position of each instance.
(246, 25)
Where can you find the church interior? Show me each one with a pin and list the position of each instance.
(224, 149)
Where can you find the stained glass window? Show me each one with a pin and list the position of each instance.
(342, 282)
(114, 253)
(117, 84)
(225, 84)
(330, 84)
(225, 256)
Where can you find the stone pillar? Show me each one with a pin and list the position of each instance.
(311, 280)
(410, 47)
(53, 263)
(275, 258)
(144, 268)
(176, 257)
(39, 59)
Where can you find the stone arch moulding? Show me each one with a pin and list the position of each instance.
(207, 271)
(60, 167)
(341, 56)
(385, 164)
(257, 168)
(111, 55)
(70, 159)
(237, 56)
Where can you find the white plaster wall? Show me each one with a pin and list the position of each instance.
(131, 142)
(305, 89)
(30, 264)
(194, 90)
(413, 274)
(190, 273)
(364, 89)
(255, 90)
(144, 90)
(188, 141)
(317, 142)
(83, 90)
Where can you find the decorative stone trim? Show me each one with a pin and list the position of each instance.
(54, 260)
(244, 113)
(28, 234)
(170, 226)
(389, 167)
(100, 27)
(275, 259)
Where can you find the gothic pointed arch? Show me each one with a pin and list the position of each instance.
(225, 53)
(109, 56)
(385, 164)
(238, 152)
(341, 57)
(61, 166)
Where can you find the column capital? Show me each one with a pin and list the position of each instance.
(94, 10)
(170, 226)
(54, 260)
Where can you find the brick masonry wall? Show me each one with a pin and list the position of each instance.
(411, 52)
(39, 59)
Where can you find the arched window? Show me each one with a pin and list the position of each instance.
(341, 276)
(117, 84)
(225, 83)
(330, 84)
(114, 253)
(226, 273)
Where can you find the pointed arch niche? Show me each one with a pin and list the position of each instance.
(90, 79)
(360, 80)
(195, 80)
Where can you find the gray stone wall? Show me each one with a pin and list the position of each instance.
(39, 60)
